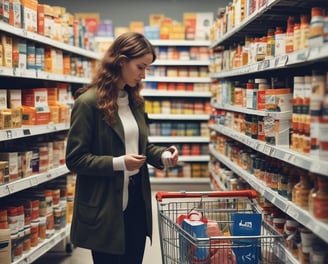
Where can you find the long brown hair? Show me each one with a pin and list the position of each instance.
(130, 45)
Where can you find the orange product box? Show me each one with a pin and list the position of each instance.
(54, 114)
(52, 95)
(190, 21)
(66, 64)
(29, 15)
(30, 116)
(49, 59)
(45, 20)
(15, 15)
(64, 113)
(161, 86)
(136, 26)
(156, 19)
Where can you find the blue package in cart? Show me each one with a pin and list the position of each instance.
(247, 250)
(190, 253)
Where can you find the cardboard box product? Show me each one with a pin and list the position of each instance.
(4, 172)
(35, 116)
(136, 26)
(14, 98)
(16, 117)
(156, 19)
(54, 114)
(26, 156)
(12, 159)
(39, 58)
(189, 21)
(3, 99)
(29, 15)
(16, 18)
(30, 55)
(5, 119)
(36, 97)
(7, 47)
(203, 26)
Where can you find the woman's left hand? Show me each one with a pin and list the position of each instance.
(170, 157)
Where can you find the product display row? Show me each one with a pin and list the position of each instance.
(268, 124)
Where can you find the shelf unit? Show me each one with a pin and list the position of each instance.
(160, 95)
(36, 77)
(274, 13)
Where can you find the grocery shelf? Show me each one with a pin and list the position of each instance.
(276, 115)
(20, 32)
(301, 57)
(31, 181)
(180, 117)
(43, 247)
(274, 13)
(177, 79)
(178, 139)
(27, 131)
(179, 180)
(172, 42)
(40, 75)
(280, 152)
(165, 93)
(194, 158)
(181, 63)
(299, 214)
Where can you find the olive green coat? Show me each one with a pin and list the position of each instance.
(97, 221)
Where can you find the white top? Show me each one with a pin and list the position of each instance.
(131, 137)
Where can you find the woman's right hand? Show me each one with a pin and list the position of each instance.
(133, 161)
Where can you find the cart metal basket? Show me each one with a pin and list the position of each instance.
(180, 245)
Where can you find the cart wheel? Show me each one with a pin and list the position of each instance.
(69, 248)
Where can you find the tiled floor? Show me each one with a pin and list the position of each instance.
(152, 253)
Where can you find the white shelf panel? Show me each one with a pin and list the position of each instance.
(182, 180)
(178, 139)
(177, 79)
(61, 77)
(160, 93)
(181, 117)
(47, 41)
(26, 131)
(190, 43)
(181, 63)
(288, 60)
(194, 158)
(31, 181)
(239, 109)
(40, 75)
(280, 152)
(296, 212)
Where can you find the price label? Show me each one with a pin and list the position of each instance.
(281, 61)
(267, 150)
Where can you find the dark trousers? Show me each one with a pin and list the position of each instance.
(135, 230)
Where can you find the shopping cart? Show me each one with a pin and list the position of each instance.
(188, 244)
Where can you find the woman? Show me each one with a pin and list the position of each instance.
(108, 149)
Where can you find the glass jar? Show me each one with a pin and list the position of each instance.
(320, 200)
(301, 190)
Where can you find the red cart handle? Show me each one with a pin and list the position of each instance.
(241, 193)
